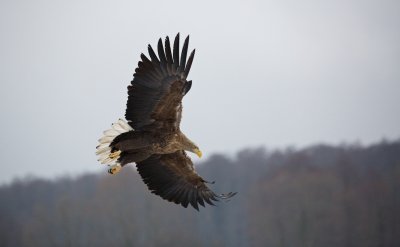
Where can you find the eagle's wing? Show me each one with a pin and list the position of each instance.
(158, 86)
(173, 177)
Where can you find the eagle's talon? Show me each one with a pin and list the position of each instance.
(114, 169)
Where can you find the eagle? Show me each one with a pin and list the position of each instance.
(151, 136)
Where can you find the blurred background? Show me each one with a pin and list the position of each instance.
(295, 105)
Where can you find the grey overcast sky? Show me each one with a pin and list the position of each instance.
(271, 73)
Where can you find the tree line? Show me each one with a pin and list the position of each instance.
(323, 195)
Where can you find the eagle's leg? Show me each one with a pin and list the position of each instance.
(117, 167)
(115, 154)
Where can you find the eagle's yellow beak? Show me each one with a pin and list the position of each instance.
(198, 152)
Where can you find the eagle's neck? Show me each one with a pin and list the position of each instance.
(184, 142)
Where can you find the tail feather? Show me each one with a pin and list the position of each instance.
(101, 146)
(118, 127)
(106, 139)
(124, 125)
(103, 150)
(111, 132)
(104, 156)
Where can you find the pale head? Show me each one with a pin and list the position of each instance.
(189, 146)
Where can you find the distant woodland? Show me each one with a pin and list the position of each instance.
(324, 196)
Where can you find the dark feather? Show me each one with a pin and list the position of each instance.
(206, 197)
(194, 200)
(200, 199)
(176, 52)
(184, 54)
(187, 87)
(168, 54)
(161, 55)
(189, 63)
(153, 56)
(172, 177)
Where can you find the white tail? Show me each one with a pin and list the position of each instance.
(103, 149)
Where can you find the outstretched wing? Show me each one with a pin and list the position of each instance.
(158, 86)
(173, 177)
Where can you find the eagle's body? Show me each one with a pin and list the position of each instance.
(151, 137)
(136, 146)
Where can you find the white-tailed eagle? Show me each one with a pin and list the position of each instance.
(151, 136)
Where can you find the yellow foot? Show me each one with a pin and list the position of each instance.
(114, 169)
(115, 154)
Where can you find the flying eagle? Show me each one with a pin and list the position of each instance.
(151, 136)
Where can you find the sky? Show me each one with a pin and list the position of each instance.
(265, 73)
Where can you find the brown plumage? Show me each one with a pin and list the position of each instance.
(152, 137)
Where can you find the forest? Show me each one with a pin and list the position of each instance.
(346, 195)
